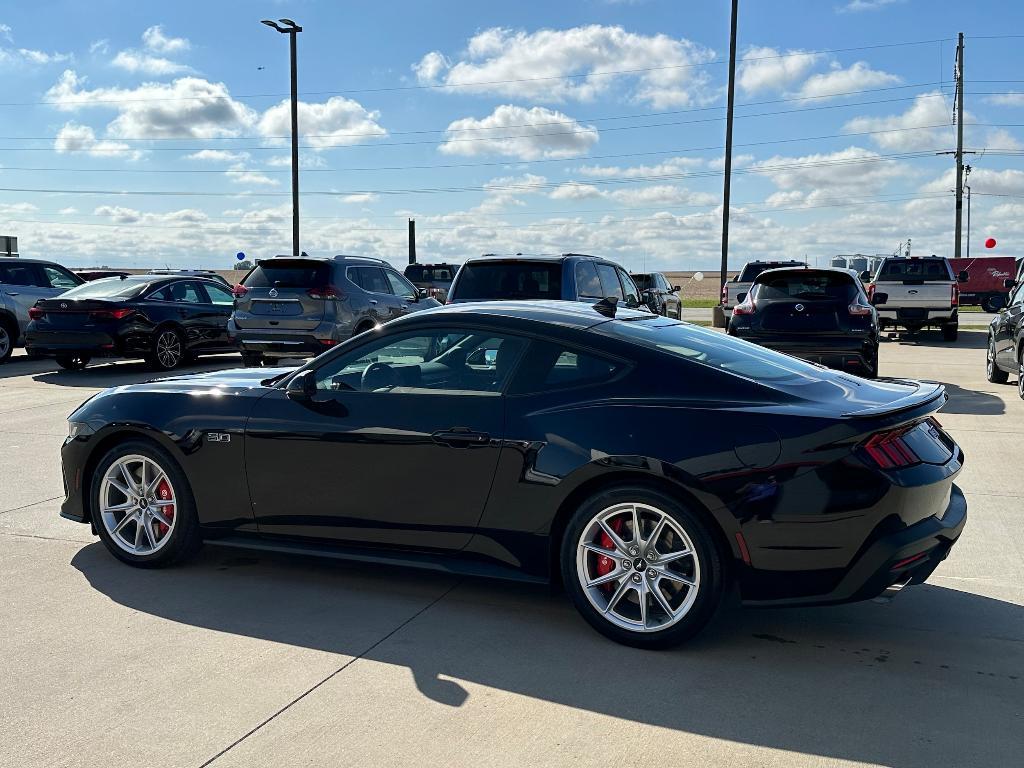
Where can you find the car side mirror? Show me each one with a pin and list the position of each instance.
(879, 298)
(740, 297)
(963, 277)
(676, 288)
(421, 293)
(865, 276)
(302, 386)
(1009, 284)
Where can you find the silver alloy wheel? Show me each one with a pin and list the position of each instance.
(168, 349)
(990, 357)
(1020, 378)
(5, 342)
(638, 567)
(137, 504)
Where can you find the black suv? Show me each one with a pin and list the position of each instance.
(288, 307)
(569, 277)
(661, 297)
(435, 279)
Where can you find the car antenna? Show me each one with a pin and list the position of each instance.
(607, 306)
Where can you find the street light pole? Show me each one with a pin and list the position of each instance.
(727, 184)
(292, 29)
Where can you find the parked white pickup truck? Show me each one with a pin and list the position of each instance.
(918, 293)
(735, 291)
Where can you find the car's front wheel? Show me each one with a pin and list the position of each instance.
(6, 341)
(73, 362)
(168, 350)
(993, 372)
(142, 506)
(641, 568)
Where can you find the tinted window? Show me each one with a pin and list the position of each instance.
(369, 279)
(421, 274)
(60, 278)
(609, 281)
(108, 288)
(588, 284)
(751, 271)
(806, 284)
(186, 292)
(437, 361)
(17, 274)
(288, 273)
(493, 280)
(644, 282)
(219, 296)
(549, 366)
(629, 287)
(399, 285)
(915, 269)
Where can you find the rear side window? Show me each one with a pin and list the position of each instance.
(548, 366)
(369, 279)
(419, 274)
(588, 285)
(645, 282)
(107, 288)
(288, 273)
(915, 269)
(806, 284)
(17, 274)
(609, 282)
(59, 278)
(489, 281)
(751, 271)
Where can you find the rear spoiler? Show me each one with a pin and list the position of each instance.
(928, 393)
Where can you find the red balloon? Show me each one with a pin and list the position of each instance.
(990, 243)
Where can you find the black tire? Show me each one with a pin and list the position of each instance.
(73, 362)
(707, 562)
(185, 538)
(950, 332)
(993, 302)
(1020, 372)
(8, 338)
(872, 365)
(679, 312)
(362, 328)
(167, 350)
(993, 372)
(252, 359)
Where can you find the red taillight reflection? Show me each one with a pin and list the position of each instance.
(746, 308)
(325, 292)
(955, 295)
(859, 310)
(111, 314)
(239, 291)
(35, 313)
(890, 451)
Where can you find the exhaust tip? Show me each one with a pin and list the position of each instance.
(892, 590)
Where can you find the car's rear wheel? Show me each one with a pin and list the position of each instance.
(679, 311)
(6, 340)
(993, 302)
(993, 372)
(142, 506)
(73, 362)
(871, 364)
(1020, 373)
(950, 332)
(641, 568)
(252, 359)
(168, 350)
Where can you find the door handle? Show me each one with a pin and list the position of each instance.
(373, 301)
(461, 437)
(11, 293)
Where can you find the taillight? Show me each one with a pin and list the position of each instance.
(954, 299)
(325, 292)
(888, 450)
(111, 314)
(725, 295)
(746, 307)
(859, 309)
(871, 290)
(35, 313)
(239, 291)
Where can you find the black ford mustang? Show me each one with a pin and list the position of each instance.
(642, 462)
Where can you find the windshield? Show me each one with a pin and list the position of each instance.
(487, 281)
(915, 269)
(751, 271)
(420, 274)
(107, 288)
(805, 284)
(288, 273)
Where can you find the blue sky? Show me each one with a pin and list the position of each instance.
(582, 125)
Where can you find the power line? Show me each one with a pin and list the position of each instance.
(445, 86)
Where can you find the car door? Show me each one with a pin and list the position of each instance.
(1008, 330)
(383, 304)
(213, 314)
(21, 286)
(403, 291)
(189, 311)
(396, 446)
(671, 299)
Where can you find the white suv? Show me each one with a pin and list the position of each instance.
(22, 283)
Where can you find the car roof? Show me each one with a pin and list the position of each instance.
(802, 268)
(20, 260)
(551, 258)
(572, 314)
(337, 257)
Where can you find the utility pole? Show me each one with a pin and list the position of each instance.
(727, 188)
(292, 29)
(959, 142)
(412, 241)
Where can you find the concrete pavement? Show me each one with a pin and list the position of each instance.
(250, 659)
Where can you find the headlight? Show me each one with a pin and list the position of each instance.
(79, 429)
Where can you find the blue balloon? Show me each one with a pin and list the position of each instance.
(240, 256)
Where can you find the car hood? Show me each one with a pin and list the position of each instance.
(233, 381)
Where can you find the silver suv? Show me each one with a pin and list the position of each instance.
(288, 307)
(22, 283)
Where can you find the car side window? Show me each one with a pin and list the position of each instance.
(370, 279)
(185, 292)
(399, 285)
(548, 366)
(588, 284)
(629, 288)
(58, 278)
(16, 274)
(221, 297)
(448, 361)
(1018, 295)
(610, 285)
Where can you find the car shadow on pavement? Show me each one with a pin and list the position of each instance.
(972, 401)
(117, 374)
(967, 339)
(935, 678)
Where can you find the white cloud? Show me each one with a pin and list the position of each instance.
(813, 179)
(118, 214)
(138, 62)
(856, 6)
(504, 191)
(81, 138)
(525, 134)
(42, 57)
(858, 77)
(361, 197)
(767, 69)
(738, 161)
(1008, 99)
(100, 46)
(69, 211)
(910, 130)
(306, 160)
(558, 65)
(242, 175)
(649, 196)
(5, 32)
(218, 156)
(336, 122)
(187, 107)
(983, 181)
(574, 190)
(672, 165)
(155, 40)
(1000, 138)
(17, 208)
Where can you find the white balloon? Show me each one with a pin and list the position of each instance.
(698, 276)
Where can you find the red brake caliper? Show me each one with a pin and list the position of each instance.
(606, 564)
(163, 492)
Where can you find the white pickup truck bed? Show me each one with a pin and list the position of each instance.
(920, 293)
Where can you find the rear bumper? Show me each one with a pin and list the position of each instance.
(93, 343)
(274, 342)
(917, 317)
(912, 553)
(841, 352)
